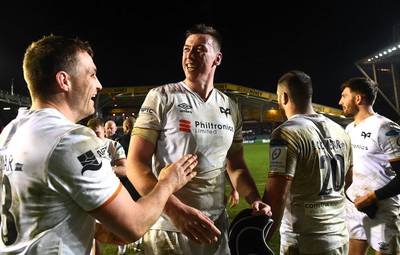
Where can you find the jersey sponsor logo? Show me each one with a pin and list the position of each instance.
(316, 208)
(102, 151)
(278, 156)
(226, 111)
(184, 107)
(89, 162)
(365, 135)
(146, 110)
(211, 128)
(360, 147)
(184, 126)
(393, 132)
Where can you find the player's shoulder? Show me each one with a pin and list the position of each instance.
(222, 97)
(168, 87)
(382, 123)
(62, 135)
(334, 123)
(79, 139)
(379, 119)
(51, 124)
(222, 94)
(294, 123)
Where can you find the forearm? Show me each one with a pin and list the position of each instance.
(142, 178)
(172, 204)
(277, 214)
(389, 190)
(275, 194)
(392, 188)
(240, 176)
(246, 186)
(151, 207)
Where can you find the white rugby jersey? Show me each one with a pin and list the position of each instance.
(187, 124)
(115, 150)
(52, 171)
(376, 142)
(316, 152)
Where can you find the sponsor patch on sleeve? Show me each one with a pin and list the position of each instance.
(277, 158)
(393, 136)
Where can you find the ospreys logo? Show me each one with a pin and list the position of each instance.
(89, 162)
(227, 111)
(365, 135)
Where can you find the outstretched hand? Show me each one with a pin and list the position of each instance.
(195, 225)
(180, 172)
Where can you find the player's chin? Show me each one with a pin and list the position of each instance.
(89, 110)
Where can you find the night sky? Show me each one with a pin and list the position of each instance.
(142, 45)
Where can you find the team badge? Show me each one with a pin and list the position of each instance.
(89, 162)
(226, 111)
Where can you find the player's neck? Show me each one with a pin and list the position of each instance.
(363, 114)
(203, 89)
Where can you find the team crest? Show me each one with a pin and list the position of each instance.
(89, 162)
(226, 111)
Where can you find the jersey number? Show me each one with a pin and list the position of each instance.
(334, 168)
(7, 222)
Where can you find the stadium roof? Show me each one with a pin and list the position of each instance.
(122, 97)
(383, 67)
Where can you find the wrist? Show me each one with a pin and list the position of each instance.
(372, 197)
(166, 185)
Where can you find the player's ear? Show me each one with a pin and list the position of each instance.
(218, 59)
(285, 98)
(358, 98)
(62, 80)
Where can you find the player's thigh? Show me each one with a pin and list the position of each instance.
(291, 250)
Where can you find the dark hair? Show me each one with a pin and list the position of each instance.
(208, 30)
(95, 122)
(366, 87)
(47, 56)
(298, 84)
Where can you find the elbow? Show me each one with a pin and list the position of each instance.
(135, 235)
